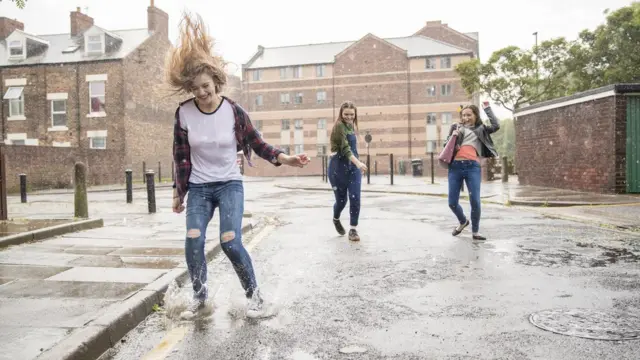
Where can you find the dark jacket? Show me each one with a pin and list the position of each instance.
(484, 135)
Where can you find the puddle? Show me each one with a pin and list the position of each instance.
(11, 227)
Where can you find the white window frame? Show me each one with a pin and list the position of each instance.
(88, 42)
(435, 91)
(97, 134)
(259, 100)
(283, 122)
(429, 64)
(91, 96)
(14, 116)
(285, 98)
(322, 124)
(299, 149)
(11, 137)
(322, 149)
(284, 73)
(447, 118)
(257, 75)
(321, 99)
(298, 124)
(449, 89)
(21, 46)
(297, 72)
(320, 70)
(54, 112)
(298, 98)
(445, 62)
(286, 149)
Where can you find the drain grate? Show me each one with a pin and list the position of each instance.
(589, 323)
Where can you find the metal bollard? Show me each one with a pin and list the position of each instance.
(391, 167)
(144, 171)
(368, 169)
(433, 170)
(81, 203)
(23, 188)
(505, 169)
(128, 175)
(151, 191)
(159, 172)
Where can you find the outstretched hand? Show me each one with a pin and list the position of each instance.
(298, 160)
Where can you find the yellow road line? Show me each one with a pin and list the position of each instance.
(176, 335)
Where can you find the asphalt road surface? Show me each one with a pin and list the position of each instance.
(408, 289)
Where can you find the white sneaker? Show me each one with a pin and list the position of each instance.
(255, 308)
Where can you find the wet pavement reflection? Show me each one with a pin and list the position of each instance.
(408, 290)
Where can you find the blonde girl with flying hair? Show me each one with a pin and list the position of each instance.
(209, 130)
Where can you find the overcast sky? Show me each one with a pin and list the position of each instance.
(240, 26)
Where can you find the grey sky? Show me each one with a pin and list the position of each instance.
(240, 26)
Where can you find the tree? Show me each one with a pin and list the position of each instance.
(20, 3)
(609, 54)
(513, 76)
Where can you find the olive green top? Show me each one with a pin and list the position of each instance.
(339, 142)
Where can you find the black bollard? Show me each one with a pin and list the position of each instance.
(159, 172)
(151, 192)
(391, 167)
(23, 188)
(433, 170)
(128, 175)
(144, 171)
(368, 169)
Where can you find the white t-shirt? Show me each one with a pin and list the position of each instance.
(212, 141)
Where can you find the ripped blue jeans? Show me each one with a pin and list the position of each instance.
(202, 201)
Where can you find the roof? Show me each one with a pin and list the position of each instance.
(57, 44)
(416, 46)
(593, 94)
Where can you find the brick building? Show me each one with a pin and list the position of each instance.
(91, 89)
(588, 141)
(406, 90)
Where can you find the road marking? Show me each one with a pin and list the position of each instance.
(173, 338)
(176, 335)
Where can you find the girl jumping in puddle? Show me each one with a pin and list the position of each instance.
(345, 169)
(473, 142)
(208, 132)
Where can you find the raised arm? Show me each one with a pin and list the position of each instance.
(494, 122)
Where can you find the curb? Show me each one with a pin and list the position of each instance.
(49, 232)
(103, 333)
(486, 197)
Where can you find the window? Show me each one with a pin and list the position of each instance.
(16, 50)
(283, 73)
(94, 43)
(298, 98)
(431, 90)
(97, 95)
(299, 124)
(445, 90)
(257, 124)
(16, 100)
(257, 75)
(259, 100)
(429, 64)
(319, 70)
(431, 146)
(322, 150)
(322, 124)
(446, 118)
(285, 99)
(18, 142)
(99, 142)
(445, 63)
(285, 124)
(299, 149)
(431, 118)
(286, 149)
(58, 113)
(297, 72)
(321, 96)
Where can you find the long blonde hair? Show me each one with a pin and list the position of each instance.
(192, 57)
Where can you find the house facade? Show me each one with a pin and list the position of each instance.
(406, 90)
(90, 89)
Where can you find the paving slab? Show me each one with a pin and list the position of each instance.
(109, 275)
(27, 342)
(87, 241)
(68, 289)
(17, 257)
(29, 272)
(151, 251)
(49, 312)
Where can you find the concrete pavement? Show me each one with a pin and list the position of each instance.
(409, 290)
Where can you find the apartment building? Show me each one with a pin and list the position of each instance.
(91, 88)
(406, 90)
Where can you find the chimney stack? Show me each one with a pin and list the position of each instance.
(157, 20)
(80, 22)
(7, 26)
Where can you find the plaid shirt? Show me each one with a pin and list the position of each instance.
(247, 137)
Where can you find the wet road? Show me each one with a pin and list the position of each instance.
(408, 290)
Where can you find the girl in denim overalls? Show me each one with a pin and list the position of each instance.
(345, 169)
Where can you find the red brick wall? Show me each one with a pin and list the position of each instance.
(576, 147)
(52, 167)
